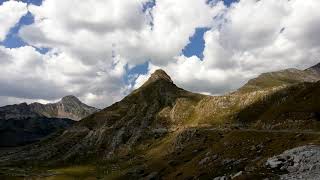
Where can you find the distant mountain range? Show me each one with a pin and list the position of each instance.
(69, 107)
(22, 123)
(160, 131)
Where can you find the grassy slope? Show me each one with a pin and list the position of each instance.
(177, 154)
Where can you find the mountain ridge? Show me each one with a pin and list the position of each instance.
(162, 130)
(68, 107)
(282, 78)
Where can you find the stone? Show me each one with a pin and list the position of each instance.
(299, 163)
(240, 173)
(221, 178)
(152, 176)
(204, 161)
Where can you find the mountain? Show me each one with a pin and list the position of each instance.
(69, 107)
(17, 111)
(149, 111)
(282, 78)
(19, 125)
(160, 131)
(22, 124)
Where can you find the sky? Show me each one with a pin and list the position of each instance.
(101, 50)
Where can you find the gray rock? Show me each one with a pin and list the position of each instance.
(237, 174)
(221, 178)
(152, 176)
(204, 161)
(300, 163)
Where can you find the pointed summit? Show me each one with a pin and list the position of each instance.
(70, 98)
(159, 74)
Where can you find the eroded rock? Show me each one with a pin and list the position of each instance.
(299, 163)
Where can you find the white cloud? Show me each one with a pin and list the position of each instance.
(119, 26)
(27, 74)
(90, 49)
(10, 13)
(253, 37)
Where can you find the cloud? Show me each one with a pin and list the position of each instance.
(27, 74)
(10, 13)
(91, 50)
(251, 37)
(158, 33)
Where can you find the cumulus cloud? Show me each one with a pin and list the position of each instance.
(158, 33)
(26, 74)
(253, 37)
(10, 13)
(91, 50)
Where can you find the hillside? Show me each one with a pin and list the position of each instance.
(17, 132)
(282, 78)
(162, 131)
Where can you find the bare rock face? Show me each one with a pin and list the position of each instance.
(160, 74)
(299, 163)
(69, 107)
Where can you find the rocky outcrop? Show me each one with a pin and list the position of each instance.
(298, 163)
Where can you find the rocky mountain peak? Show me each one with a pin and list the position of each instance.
(159, 75)
(70, 98)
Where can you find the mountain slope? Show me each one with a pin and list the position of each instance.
(150, 111)
(163, 131)
(282, 78)
(294, 107)
(69, 107)
(17, 132)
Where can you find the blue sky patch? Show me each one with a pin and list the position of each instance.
(35, 2)
(149, 5)
(196, 45)
(12, 39)
(138, 69)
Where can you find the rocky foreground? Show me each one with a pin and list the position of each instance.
(298, 163)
